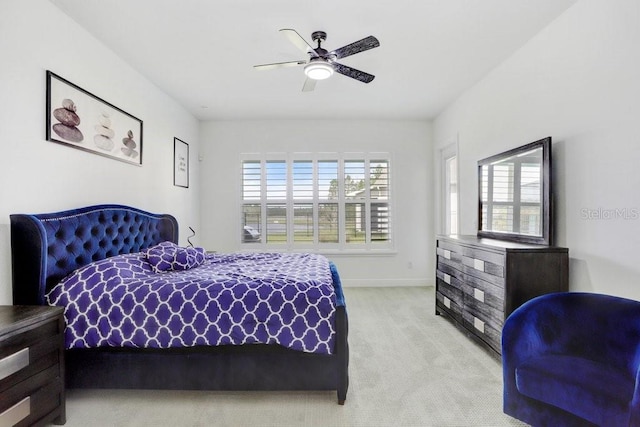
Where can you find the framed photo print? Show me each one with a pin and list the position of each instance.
(180, 163)
(79, 119)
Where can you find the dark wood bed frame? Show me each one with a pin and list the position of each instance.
(47, 247)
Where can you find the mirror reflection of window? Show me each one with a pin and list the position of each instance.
(503, 182)
(511, 194)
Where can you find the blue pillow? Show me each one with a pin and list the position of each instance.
(167, 256)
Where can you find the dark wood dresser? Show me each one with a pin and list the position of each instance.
(32, 388)
(479, 282)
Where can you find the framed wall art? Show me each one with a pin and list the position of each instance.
(180, 163)
(82, 120)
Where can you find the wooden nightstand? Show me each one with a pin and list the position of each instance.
(31, 365)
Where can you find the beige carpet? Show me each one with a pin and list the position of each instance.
(408, 367)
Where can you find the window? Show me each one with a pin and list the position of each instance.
(452, 195)
(449, 158)
(303, 201)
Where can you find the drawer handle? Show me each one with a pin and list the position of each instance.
(478, 264)
(447, 254)
(447, 279)
(14, 362)
(16, 413)
(478, 294)
(478, 324)
(447, 302)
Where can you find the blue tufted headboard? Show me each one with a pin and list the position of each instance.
(47, 247)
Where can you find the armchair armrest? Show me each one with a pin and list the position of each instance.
(523, 337)
(634, 406)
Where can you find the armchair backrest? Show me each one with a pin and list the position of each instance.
(599, 327)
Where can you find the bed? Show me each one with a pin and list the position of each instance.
(65, 246)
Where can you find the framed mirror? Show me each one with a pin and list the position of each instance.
(514, 190)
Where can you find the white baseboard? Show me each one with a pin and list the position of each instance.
(384, 283)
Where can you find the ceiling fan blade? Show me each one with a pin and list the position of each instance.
(353, 73)
(279, 65)
(356, 47)
(299, 42)
(309, 85)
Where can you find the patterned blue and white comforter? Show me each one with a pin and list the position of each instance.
(240, 298)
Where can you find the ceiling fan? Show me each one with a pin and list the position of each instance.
(322, 63)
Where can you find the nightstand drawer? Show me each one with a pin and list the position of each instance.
(43, 392)
(14, 362)
(27, 354)
(16, 413)
(31, 365)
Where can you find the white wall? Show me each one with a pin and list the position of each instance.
(577, 81)
(41, 176)
(409, 143)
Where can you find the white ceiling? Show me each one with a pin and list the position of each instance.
(202, 52)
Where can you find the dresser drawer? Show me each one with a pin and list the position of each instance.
(486, 330)
(482, 255)
(483, 270)
(451, 289)
(447, 276)
(449, 250)
(482, 310)
(486, 292)
(448, 305)
(452, 261)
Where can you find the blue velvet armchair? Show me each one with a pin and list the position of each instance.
(573, 359)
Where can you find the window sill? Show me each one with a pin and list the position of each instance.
(358, 252)
(331, 252)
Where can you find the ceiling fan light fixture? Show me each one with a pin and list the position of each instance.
(318, 70)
